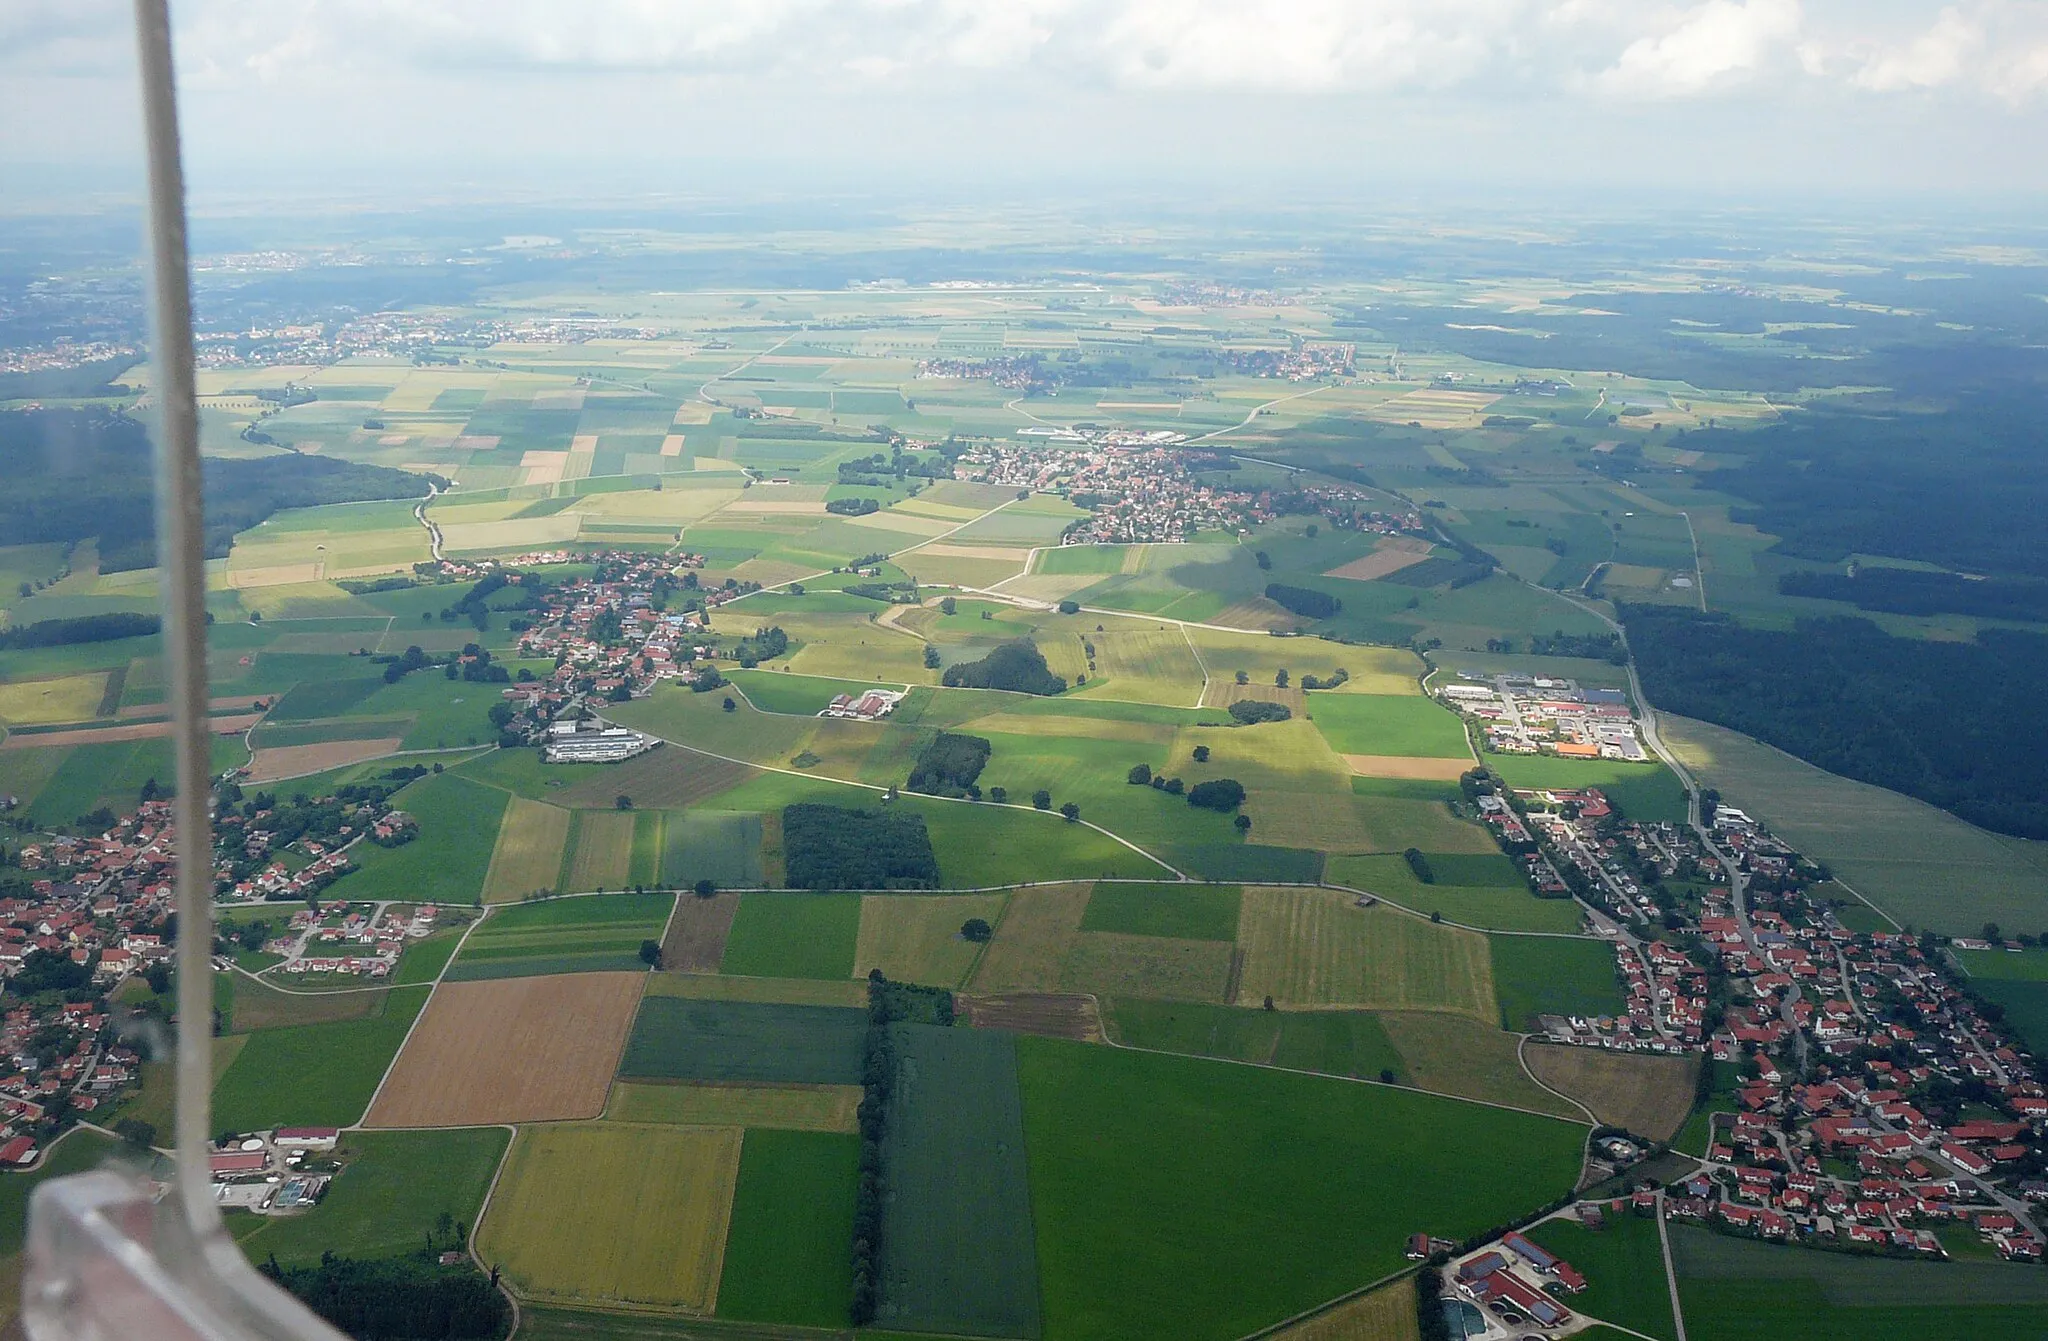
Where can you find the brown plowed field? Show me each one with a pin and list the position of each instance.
(511, 1050)
(1390, 557)
(1401, 766)
(294, 761)
(1047, 1014)
(697, 932)
(101, 735)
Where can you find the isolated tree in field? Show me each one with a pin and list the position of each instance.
(976, 929)
(1244, 823)
(1280, 678)
(1042, 799)
(1386, 1075)
(704, 889)
(1140, 775)
(622, 802)
(1991, 932)
(931, 657)
(1070, 607)
(1244, 677)
(1071, 811)
(650, 953)
(729, 705)
(999, 794)
(1264, 559)
(949, 606)
(1201, 754)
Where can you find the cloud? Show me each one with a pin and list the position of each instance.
(1712, 45)
(1937, 57)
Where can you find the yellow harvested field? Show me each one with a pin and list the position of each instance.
(623, 1215)
(277, 575)
(1373, 670)
(1039, 930)
(1387, 1314)
(1309, 948)
(692, 412)
(795, 506)
(999, 553)
(1169, 406)
(672, 445)
(788, 1107)
(1398, 766)
(543, 467)
(511, 1050)
(68, 698)
(567, 398)
(1436, 409)
(1222, 692)
(1391, 555)
(1651, 1096)
(891, 520)
(604, 850)
(529, 852)
(924, 507)
(583, 442)
(1632, 575)
(297, 761)
(916, 938)
(514, 533)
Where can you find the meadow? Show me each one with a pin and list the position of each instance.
(824, 1108)
(917, 938)
(1539, 975)
(1139, 1236)
(1185, 911)
(739, 1042)
(1506, 905)
(1336, 1043)
(793, 936)
(1650, 793)
(459, 820)
(394, 1188)
(786, 1258)
(1623, 1263)
(1316, 948)
(313, 1074)
(588, 934)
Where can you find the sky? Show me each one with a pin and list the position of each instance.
(1752, 99)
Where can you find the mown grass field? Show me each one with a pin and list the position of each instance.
(957, 1247)
(1739, 1290)
(830, 1108)
(797, 695)
(601, 853)
(528, 855)
(1469, 1059)
(723, 847)
(459, 822)
(1546, 975)
(394, 1187)
(1110, 963)
(615, 1214)
(786, 1250)
(916, 938)
(1494, 907)
(1649, 1095)
(1139, 1235)
(1623, 1264)
(1187, 911)
(1315, 948)
(313, 1074)
(1337, 1043)
(596, 934)
(1388, 724)
(678, 1039)
(793, 936)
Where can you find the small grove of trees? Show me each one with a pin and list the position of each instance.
(1219, 794)
(977, 930)
(1419, 864)
(1140, 775)
(1251, 712)
(1304, 601)
(650, 953)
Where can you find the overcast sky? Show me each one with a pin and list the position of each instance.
(1760, 98)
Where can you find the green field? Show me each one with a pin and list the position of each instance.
(1491, 906)
(585, 934)
(1536, 975)
(1742, 1290)
(393, 1188)
(720, 846)
(1394, 724)
(956, 1253)
(793, 936)
(459, 822)
(1336, 1043)
(799, 695)
(675, 1038)
(786, 1258)
(1181, 1198)
(1623, 1264)
(313, 1074)
(1647, 792)
(1187, 911)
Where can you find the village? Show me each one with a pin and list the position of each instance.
(1870, 1105)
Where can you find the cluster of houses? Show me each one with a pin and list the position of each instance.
(870, 705)
(1524, 714)
(350, 939)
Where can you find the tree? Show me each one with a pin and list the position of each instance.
(1265, 560)
(622, 802)
(1042, 799)
(1386, 1075)
(650, 953)
(931, 657)
(1991, 932)
(1244, 677)
(136, 1132)
(999, 794)
(158, 976)
(1244, 823)
(1070, 607)
(729, 705)
(704, 889)
(1140, 775)
(1280, 678)
(1221, 794)
(1201, 754)
(976, 930)
(1071, 811)
(949, 606)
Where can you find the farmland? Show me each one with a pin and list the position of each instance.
(794, 936)
(615, 1214)
(1137, 1238)
(828, 1108)
(1649, 1095)
(319, 1074)
(786, 1258)
(1315, 948)
(750, 1042)
(1548, 975)
(396, 1187)
(572, 935)
(1624, 1269)
(917, 938)
(528, 856)
(1338, 1043)
(511, 1050)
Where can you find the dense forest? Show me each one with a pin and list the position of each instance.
(1960, 488)
(81, 629)
(73, 474)
(1018, 666)
(1912, 591)
(828, 847)
(949, 765)
(399, 1299)
(1961, 725)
